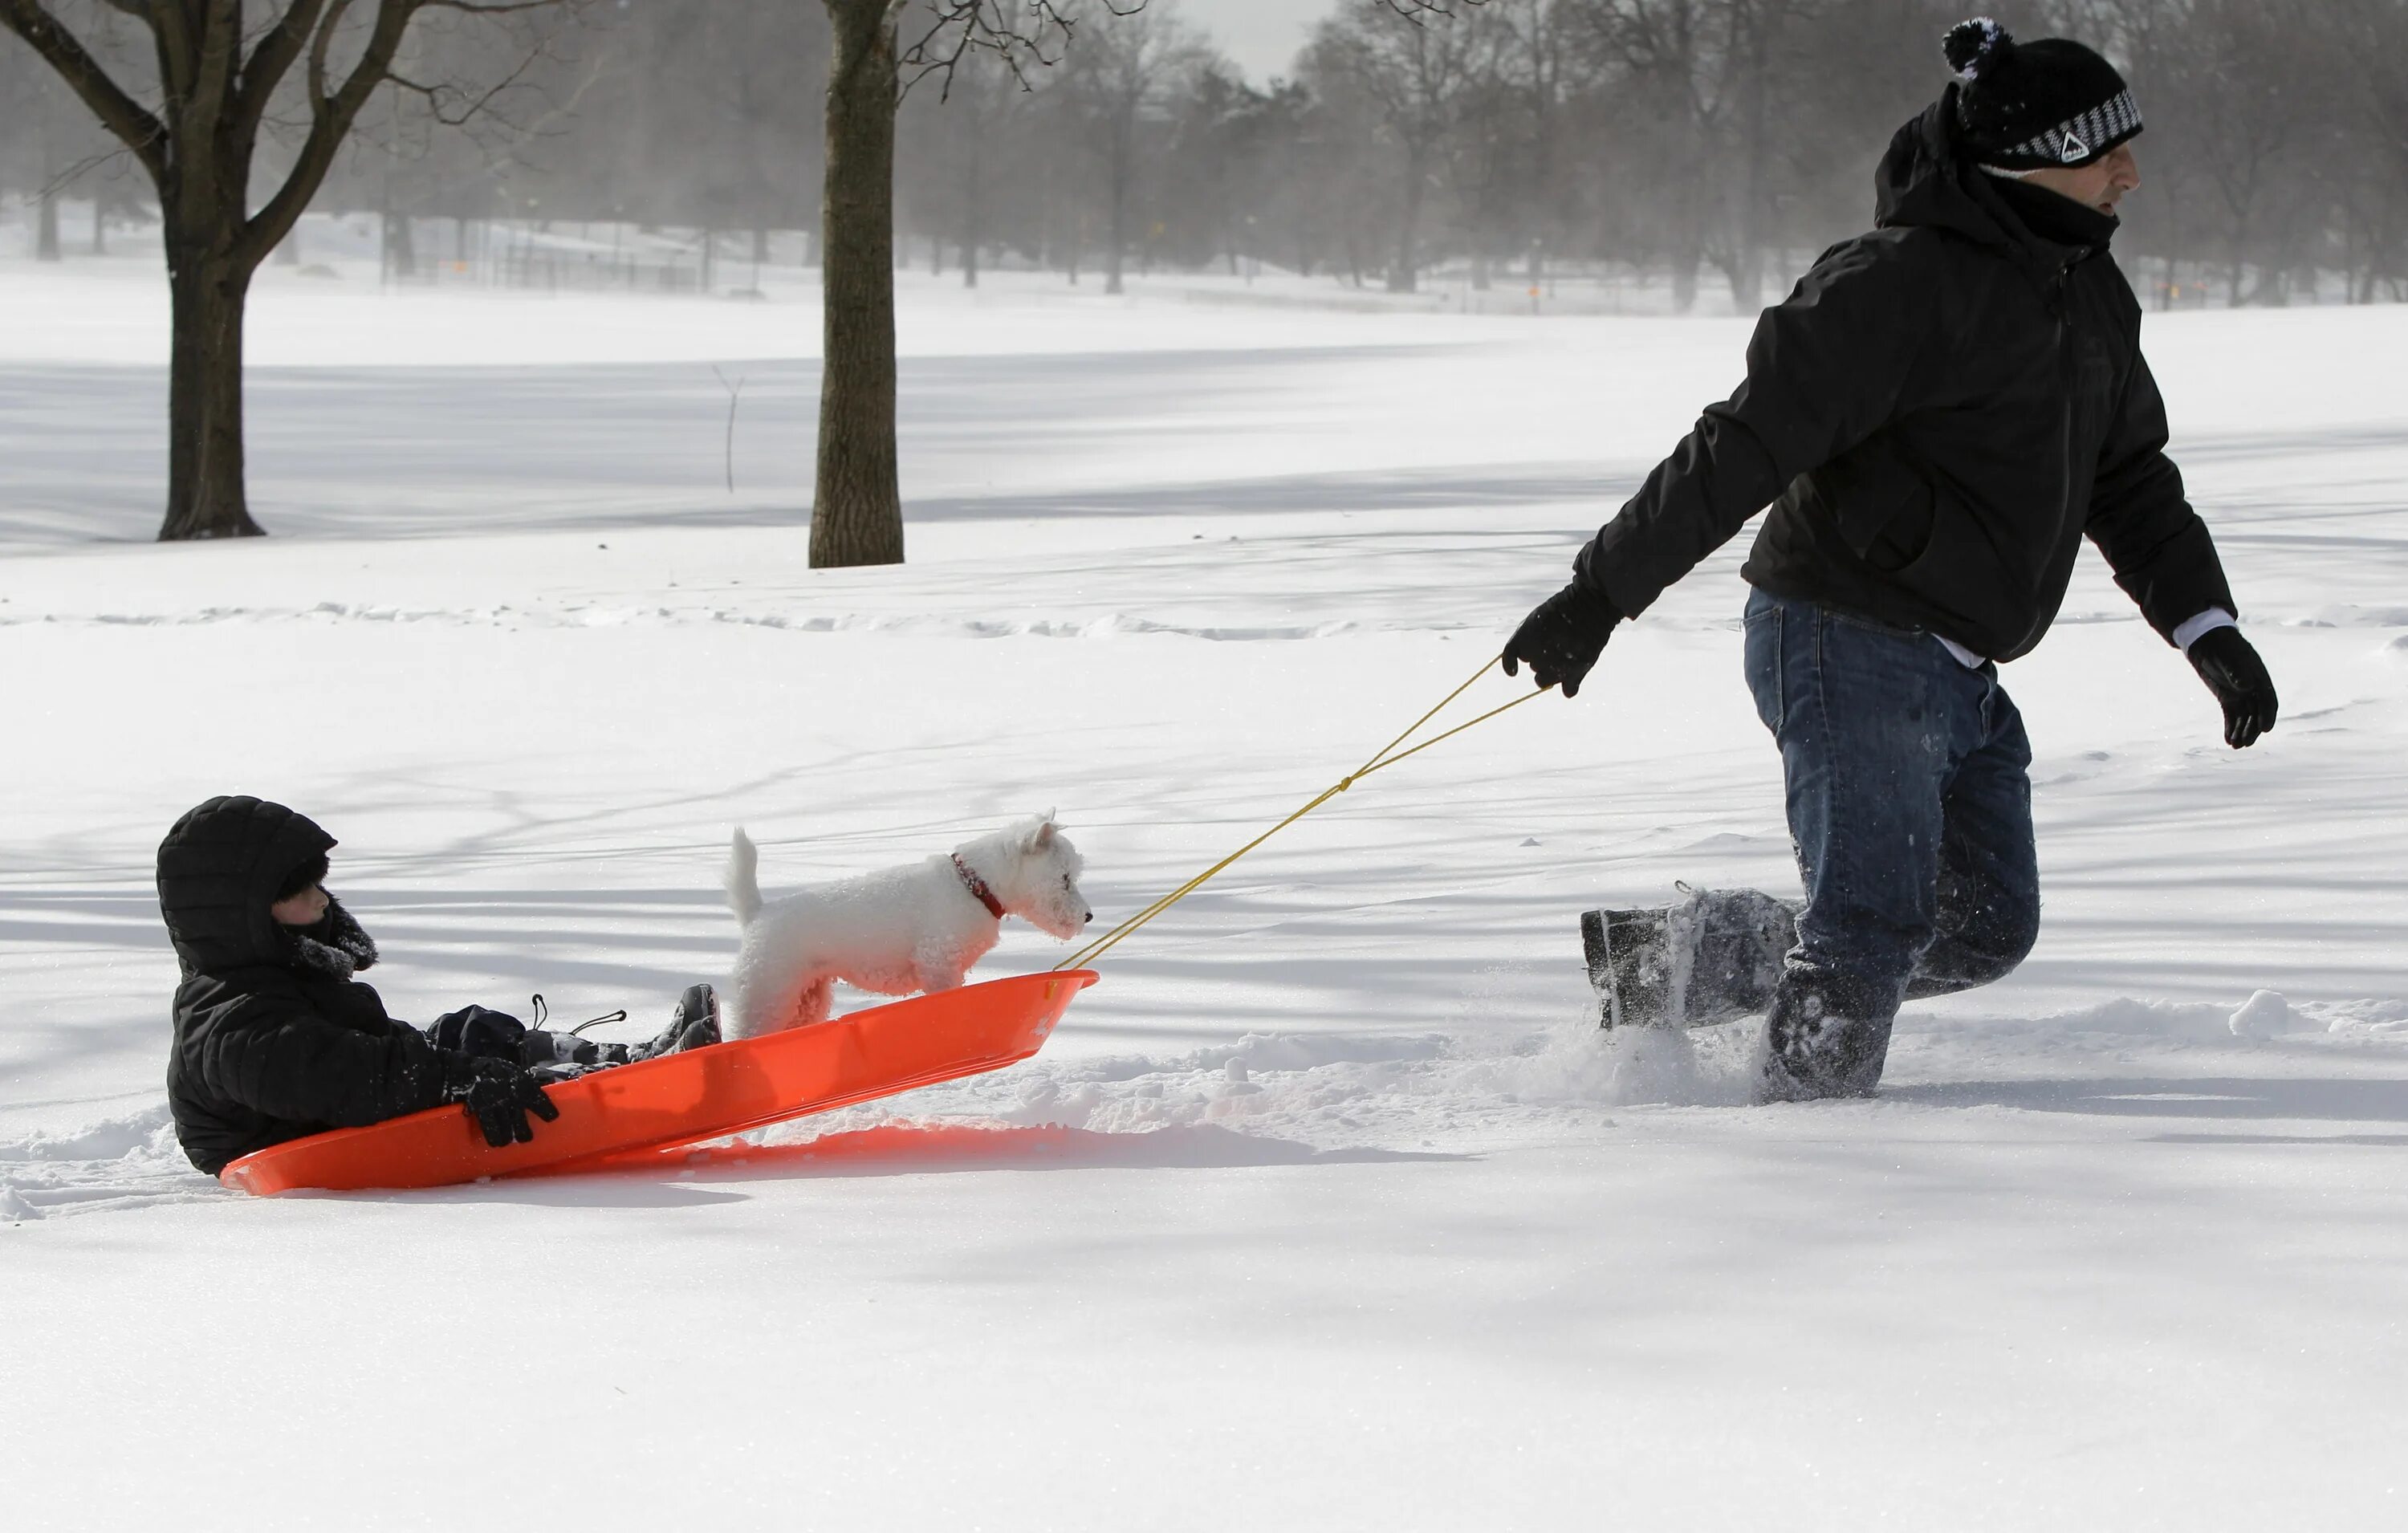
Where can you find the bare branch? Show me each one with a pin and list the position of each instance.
(439, 93)
(1414, 10)
(77, 172)
(1038, 35)
(135, 126)
(219, 59)
(272, 59)
(334, 108)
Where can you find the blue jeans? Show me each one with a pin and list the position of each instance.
(1910, 804)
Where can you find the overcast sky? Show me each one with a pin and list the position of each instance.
(1263, 35)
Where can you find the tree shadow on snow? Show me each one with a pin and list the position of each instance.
(2321, 1100)
(2386, 1140)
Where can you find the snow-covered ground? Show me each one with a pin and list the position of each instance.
(1326, 1208)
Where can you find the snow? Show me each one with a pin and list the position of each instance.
(1327, 1208)
(2263, 1015)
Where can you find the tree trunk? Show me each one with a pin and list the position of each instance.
(1685, 279)
(1117, 251)
(405, 248)
(206, 497)
(857, 508)
(1402, 276)
(45, 224)
(1746, 272)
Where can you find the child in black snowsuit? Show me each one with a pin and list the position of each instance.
(274, 1039)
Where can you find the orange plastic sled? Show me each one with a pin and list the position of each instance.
(685, 1098)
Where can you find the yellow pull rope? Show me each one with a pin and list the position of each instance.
(1386, 756)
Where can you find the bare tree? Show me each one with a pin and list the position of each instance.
(2373, 36)
(1117, 83)
(881, 48)
(222, 68)
(1705, 74)
(1415, 77)
(960, 160)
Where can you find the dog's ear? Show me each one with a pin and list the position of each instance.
(1042, 835)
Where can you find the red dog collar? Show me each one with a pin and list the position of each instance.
(977, 886)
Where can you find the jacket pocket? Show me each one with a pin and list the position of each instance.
(1965, 570)
(1882, 505)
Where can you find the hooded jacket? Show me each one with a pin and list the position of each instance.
(273, 1039)
(1938, 414)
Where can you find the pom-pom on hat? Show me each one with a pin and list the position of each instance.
(2029, 106)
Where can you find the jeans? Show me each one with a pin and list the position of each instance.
(1910, 806)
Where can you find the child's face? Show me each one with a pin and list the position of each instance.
(302, 910)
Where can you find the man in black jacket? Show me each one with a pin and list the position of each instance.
(1937, 416)
(274, 1039)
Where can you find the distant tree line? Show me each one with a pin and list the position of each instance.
(1715, 144)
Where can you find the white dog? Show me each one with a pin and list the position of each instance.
(898, 931)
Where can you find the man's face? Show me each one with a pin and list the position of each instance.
(2100, 184)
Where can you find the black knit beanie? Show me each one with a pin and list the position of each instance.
(2031, 106)
(306, 876)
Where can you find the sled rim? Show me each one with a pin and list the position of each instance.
(630, 1112)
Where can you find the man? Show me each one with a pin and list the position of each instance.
(1938, 414)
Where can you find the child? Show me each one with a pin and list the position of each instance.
(275, 1040)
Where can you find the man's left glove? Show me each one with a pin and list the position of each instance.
(2230, 665)
(1562, 637)
(499, 1095)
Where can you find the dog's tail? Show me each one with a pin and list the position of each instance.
(743, 878)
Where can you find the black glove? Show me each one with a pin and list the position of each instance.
(479, 1030)
(1562, 637)
(2232, 669)
(499, 1095)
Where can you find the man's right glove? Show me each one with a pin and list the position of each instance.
(2230, 668)
(499, 1095)
(1562, 637)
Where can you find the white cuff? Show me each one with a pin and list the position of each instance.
(2198, 627)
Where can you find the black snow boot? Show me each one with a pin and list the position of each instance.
(1713, 956)
(1826, 1037)
(694, 1025)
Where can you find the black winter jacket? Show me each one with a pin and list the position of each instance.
(272, 1039)
(1942, 409)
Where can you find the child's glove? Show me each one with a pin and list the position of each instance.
(499, 1095)
(480, 1031)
